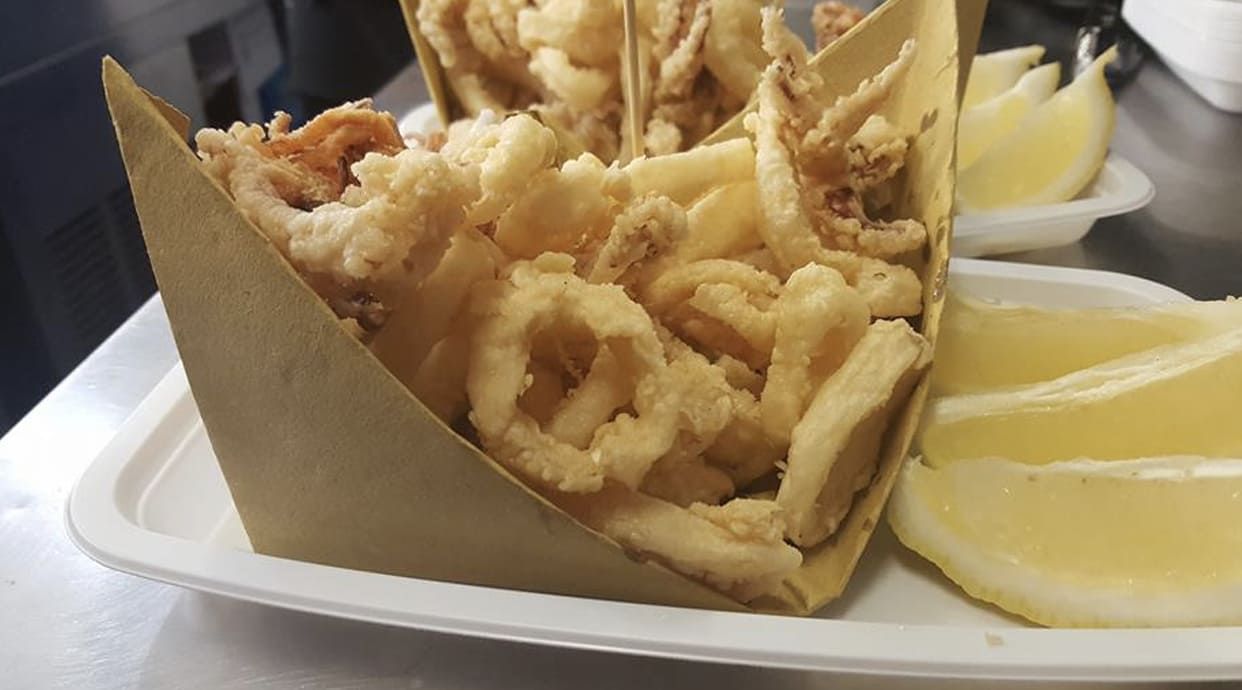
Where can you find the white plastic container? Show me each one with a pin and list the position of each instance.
(1200, 41)
(155, 504)
(1119, 188)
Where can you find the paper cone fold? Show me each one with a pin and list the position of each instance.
(330, 459)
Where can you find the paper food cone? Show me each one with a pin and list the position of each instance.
(330, 459)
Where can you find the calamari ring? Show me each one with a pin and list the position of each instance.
(539, 295)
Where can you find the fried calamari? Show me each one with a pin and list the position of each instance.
(681, 352)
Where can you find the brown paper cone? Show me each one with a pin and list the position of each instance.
(330, 459)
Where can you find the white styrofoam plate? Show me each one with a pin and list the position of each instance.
(155, 504)
(1119, 188)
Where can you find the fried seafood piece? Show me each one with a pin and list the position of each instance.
(684, 477)
(582, 89)
(721, 224)
(571, 209)
(718, 304)
(740, 450)
(426, 342)
(737, 547)
(505, 154)
(680, 100)
(830, 20)
(732, 50)
(315, 160)
(819, 319)
(874, 154)
(575, 55)
(834, 446)
(562, 58)
(362, 218)
(595, 131)
(709, 405)
(843, 223)
(648, 227)
(624, 406)
(822, 152)
(589, 32)
(479, 48)
(809, 213)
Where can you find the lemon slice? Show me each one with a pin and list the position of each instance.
(1052, 155)
(992, 73)
(988, 122)
(1151, 542)
(1176, 399)
(986, 346)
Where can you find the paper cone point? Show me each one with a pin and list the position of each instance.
(328, 457)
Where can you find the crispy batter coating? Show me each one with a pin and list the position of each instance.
(646, 228)
(809, 212)
(505, 154)
(736, 547)
(718, 304)
(562, 58)
(819, 319)
(543, 295)
(830, 20)
(361, 216)
(570, 209)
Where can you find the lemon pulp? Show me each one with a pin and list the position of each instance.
(1138, 542)
(986, 346)
(1181, 398)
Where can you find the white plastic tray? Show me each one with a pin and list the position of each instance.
(1119, 188)
(155, 504)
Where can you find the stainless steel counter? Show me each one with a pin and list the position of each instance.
(67, 622)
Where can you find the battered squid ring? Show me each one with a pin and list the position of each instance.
(540, 295)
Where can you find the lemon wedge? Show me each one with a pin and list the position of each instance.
(1175, 399)
(992, 73)
(986, 123)
(1150, 542)
(985, 346)
(1054, 152)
